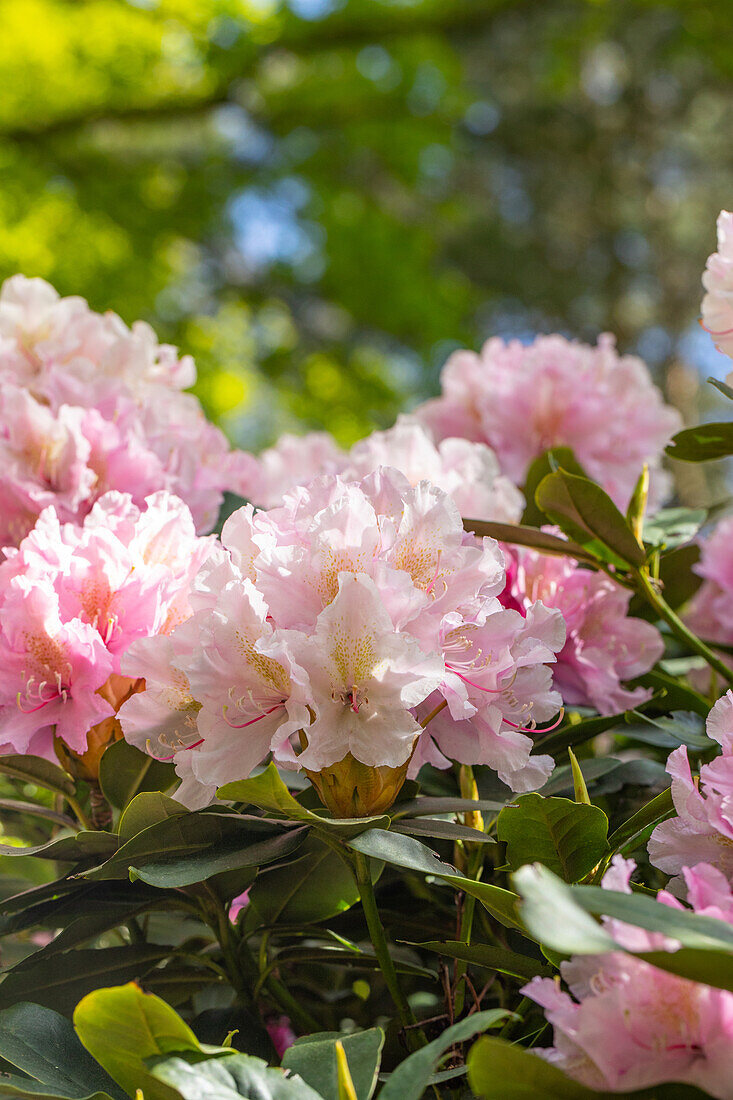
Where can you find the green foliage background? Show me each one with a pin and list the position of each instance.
(321, 200)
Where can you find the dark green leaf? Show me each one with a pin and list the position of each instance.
(517, 535)
(568, 837)
(410, 1079)
(656, 810)
(441, 830)
(145, 810)
(703, 443)
(316, 886)
(427, 806)
(406, 851)
(125, 771)
(491, 958)
(499, 1071)
(314, 1060)
(60, 982)
(722, 387)
(43, 1044)
(587, 514)
(74, 849)
(543, 465)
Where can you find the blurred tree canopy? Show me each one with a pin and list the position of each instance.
(321, 199)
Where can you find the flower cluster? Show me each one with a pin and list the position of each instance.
(362, 619)
(703, 827)
(89, 405)
(467, 471)
(629, 1025)
(604, 645)
(523, 399)
(72, 599)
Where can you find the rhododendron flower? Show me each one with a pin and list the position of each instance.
(629, 1025)
(604, 645)
(335, 626)
(73, 599)
(703, 828)
(717, 304)
(89, 405)
(710, 613)
(468, 472)
(523, 399)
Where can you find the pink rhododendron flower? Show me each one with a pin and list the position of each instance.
(522, 399)
(73, 599)
(717, 304)
(703, 828)
(89, 405)
(346, 617)
(710, 613)
(467, 471)
(604, 646)
(627, 1025)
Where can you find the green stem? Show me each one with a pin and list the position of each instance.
(292, 1008)
(379, 939)
(81, 817)
(654, 597)
(464, 935)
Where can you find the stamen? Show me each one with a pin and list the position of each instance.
(235, 726)
(534, 728)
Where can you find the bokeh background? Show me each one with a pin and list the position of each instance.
(320, 199)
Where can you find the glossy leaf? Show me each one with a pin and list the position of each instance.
(43, 1044)
(122, 1027)
(316, 886)
(587, 514)
(491, 958)
(73, 849)
(703, 443)
(518, 535)
(568, 837)
(543, 465)
(313, 1058)
(407, 852)
(61, 982)
(125, 771)
(145, 810)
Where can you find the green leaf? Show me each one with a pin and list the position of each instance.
(60, 982)
(587, 514)
(226, 1078)
(43, 1044)
(580, 788)
(74, 849)
(500, 1071)
(314, 1059)
(427, 806)
(145, 810)
(122, 1027)
(543, 465)
(405, 851)
(410, 1079)
(517, 535)
(442, 830)
(703, 443)
(187, 848)
(34, 769)
(268, 791)
(239, 851)
(551, 915)
(125, 771)
(568, 837)
(314, 887)
(491, 958)
(673, 527)
(653, 812)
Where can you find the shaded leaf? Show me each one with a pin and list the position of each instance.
(673, 527)
(703, 443)
(441, 830)
(34, 769)
(492, 958)
(125, 771)
(410, 1079)
(518, 535)
(314, 1060)
(316, 886)
(540, 467)
(145, 810)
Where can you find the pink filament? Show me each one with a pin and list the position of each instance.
(536, 729)
(234, 726)
(491, 691)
